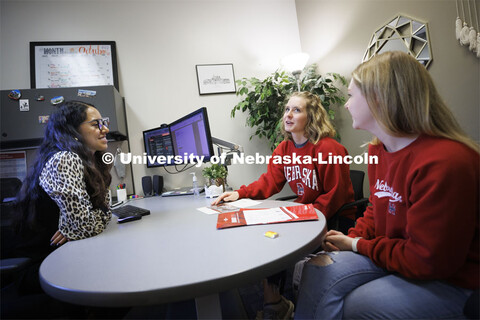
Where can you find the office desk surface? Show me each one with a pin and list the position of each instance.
(175, 253)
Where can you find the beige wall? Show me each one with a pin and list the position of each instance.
(336, 34)
(159, 42)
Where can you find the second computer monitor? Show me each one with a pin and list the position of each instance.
(185, 140)
(158, 143)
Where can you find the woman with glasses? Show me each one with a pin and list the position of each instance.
(65, 195)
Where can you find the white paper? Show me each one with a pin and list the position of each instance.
(244, 203)
(207, 210)
(224, 207)
(24, 105)
(265, 216)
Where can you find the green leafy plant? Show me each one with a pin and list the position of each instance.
(265, 99)
(216, 173)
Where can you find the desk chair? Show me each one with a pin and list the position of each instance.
(9, 188)
(337, 222)
(471, 309)
(16, 304)
(9, 267)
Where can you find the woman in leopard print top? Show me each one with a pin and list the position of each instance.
(63, 180)
(65, 196)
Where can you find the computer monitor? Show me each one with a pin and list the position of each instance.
(191, 135)
(175, 143)
(158, 142)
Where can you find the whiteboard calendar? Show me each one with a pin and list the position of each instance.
(73, 64)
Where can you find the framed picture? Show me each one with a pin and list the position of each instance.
(73, 64)
(215, 78)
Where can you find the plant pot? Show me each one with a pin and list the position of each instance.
(218, 182)
(215, 187)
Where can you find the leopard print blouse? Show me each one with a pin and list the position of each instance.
(62, 178)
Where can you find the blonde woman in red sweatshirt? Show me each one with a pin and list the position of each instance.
(308, 135)
(415, 253)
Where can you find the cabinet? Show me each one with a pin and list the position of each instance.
(24, 129)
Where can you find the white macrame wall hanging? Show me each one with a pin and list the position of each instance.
(468, 36)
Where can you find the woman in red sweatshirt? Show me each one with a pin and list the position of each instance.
(304, 153)
(308, 135)
(415, 253)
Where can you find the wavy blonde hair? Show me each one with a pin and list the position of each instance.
(402, 97)
(318, 123)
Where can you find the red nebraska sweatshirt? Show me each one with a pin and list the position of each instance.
(326, 186)
(423, 222)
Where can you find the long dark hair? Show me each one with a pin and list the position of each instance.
(61, 134)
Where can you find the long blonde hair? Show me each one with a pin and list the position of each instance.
(402, 97)
(318, 123)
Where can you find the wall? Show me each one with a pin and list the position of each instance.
(158, 45)
(336, 35)
(160, 42)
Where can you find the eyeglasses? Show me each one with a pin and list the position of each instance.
(104, 122)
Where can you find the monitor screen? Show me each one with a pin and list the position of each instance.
(158, 143)
(191, 136)
(185, 141)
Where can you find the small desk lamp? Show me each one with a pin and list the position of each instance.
(295, 63)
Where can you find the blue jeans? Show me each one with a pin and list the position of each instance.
(353, 287)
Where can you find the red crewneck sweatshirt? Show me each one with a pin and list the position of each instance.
(423, 222)
(326, 186)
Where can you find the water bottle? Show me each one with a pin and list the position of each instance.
(196, 191)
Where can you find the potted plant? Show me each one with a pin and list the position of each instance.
(215, 176)
(265, 100)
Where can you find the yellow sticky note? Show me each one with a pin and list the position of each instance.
(271, 234)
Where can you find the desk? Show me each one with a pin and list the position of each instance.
(175, 253)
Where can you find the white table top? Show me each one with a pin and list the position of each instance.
(175, 253)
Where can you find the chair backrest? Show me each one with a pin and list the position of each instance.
(9, 187)
(357, 177)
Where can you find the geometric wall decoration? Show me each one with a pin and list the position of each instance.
(405, 34)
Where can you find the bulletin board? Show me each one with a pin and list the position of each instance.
(73, 64)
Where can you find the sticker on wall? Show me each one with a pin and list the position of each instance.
(57, 100)
(15, 94)
(40, 98)
(43, 119)
(24, 105)
(86, 93)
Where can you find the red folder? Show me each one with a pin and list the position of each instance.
(244, 217)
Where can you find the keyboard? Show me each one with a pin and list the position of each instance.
(129, 211)
(181, 192)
